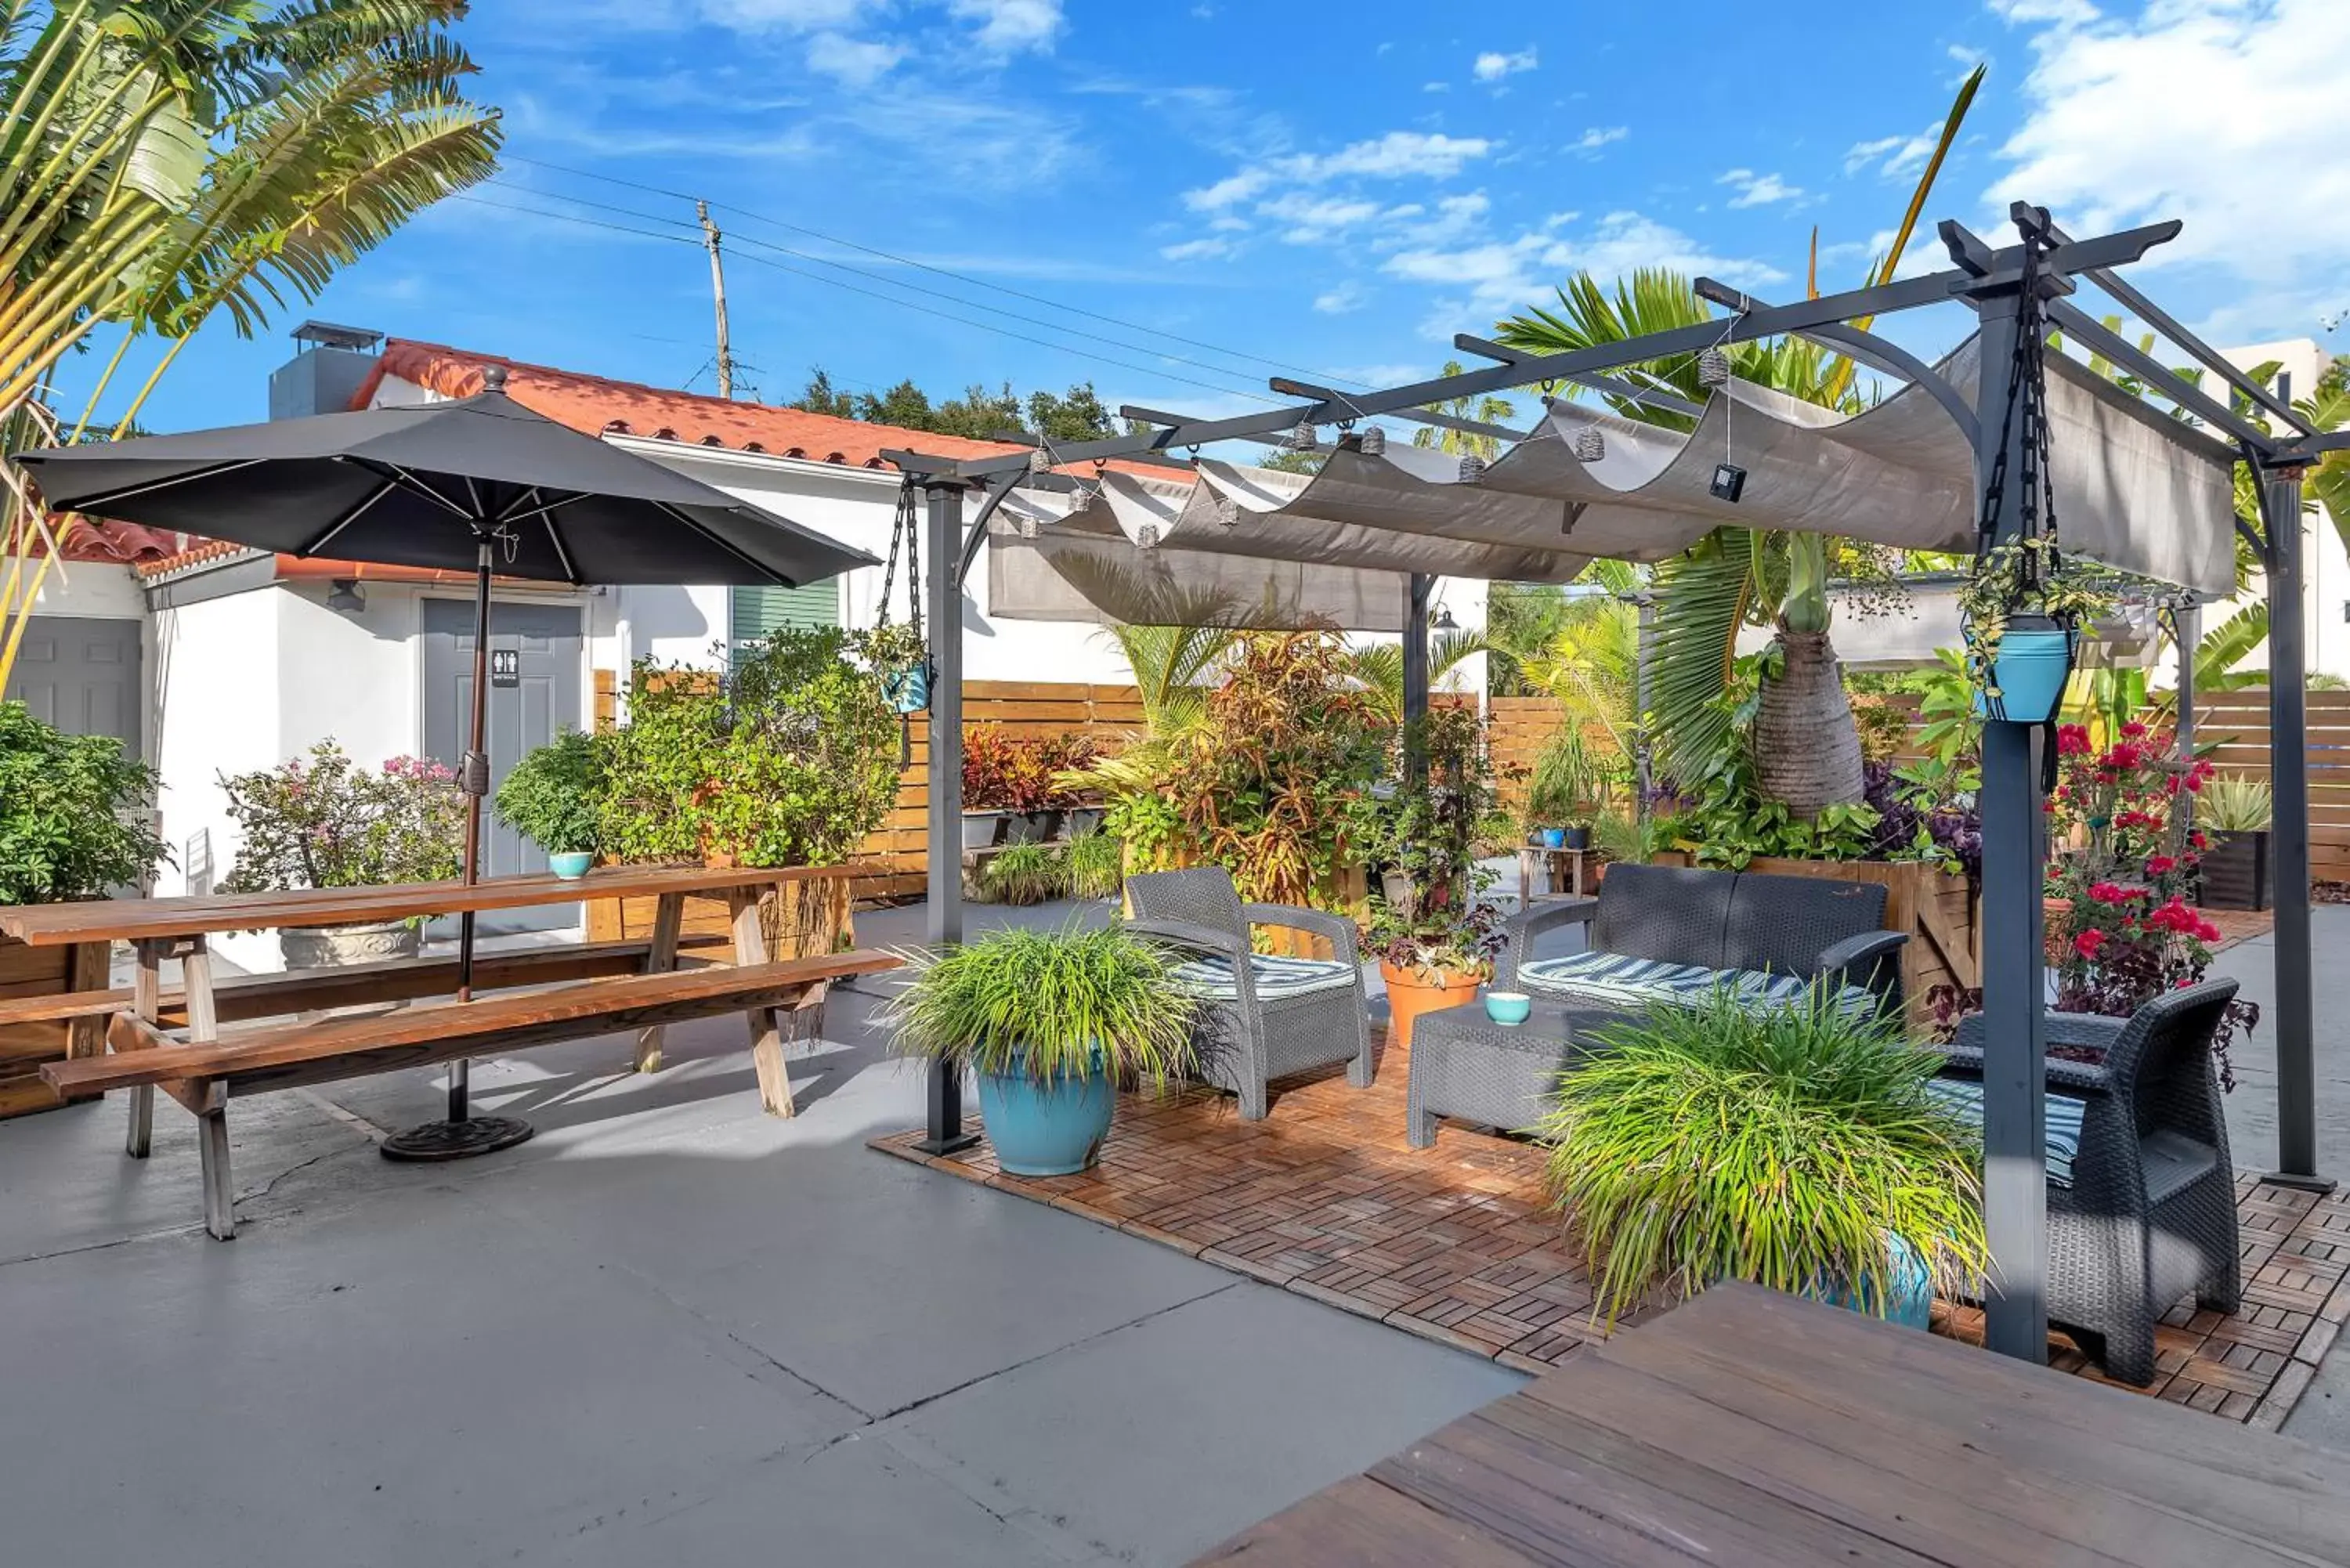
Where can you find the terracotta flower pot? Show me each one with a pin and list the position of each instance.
(1412, 991)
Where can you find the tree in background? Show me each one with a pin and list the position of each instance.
(1805, 746)
(1075, 415)
(164, 160)
(1487, 409)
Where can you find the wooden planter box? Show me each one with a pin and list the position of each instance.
(2236, 872)
(1937, 907)
(807, 918)
(45, 971)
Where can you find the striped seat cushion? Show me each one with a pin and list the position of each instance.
(1211, 978)
(2062, 1143)
(1628, 982)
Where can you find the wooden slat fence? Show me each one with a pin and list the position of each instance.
(2238, 722)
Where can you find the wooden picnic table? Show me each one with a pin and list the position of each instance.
(203, 1065)
(1752, 1428)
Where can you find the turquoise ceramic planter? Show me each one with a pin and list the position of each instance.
(1908, 1295)
(1554, 838)
(2032, 665)
(572, 864)
(908, 689)
(1053, 1127)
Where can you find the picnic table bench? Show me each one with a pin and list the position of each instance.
(175, 1041)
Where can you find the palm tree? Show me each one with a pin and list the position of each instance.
(1487, 409)
(1379, 666)
(1804, 746)
(162, 160)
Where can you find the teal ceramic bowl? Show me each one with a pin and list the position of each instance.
(571, 864)
(1509, 1006)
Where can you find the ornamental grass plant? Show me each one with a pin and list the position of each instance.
(1049, 1005)
(1787, 1146)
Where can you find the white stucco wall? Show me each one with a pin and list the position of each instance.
(217, 678)
(100, 590)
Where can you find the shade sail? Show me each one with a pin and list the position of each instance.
(2135, 489)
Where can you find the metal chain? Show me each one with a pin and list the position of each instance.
(906, 525)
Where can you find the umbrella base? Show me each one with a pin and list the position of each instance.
(456, 1140)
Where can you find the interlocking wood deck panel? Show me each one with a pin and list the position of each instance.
(1460, 1243)
(1750, 1428)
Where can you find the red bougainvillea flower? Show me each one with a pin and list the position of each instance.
(2111, 893)
(2087, 943)
(2071, 740)
(2205, 932)
(2160, 864)
(2133, 730)
(2120, 757)
(2175, 916)
(2197, 840)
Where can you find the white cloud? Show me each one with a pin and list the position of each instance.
(1347, 297)
(1197, 250)
(1436, 86)
(1312, 219)
(1759, 190)
(1894, 155)
(1598, 137)
(791, 16)
(1009, 27)
(1493, 65)
(851, 61)
(2231, 117)
(1399, 154)
(1508, 274)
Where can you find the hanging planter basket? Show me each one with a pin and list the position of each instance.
(2028, 672)
(909, 689)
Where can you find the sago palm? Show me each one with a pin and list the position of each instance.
(164, 160)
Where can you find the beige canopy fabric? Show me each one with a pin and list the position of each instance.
(2135, 489)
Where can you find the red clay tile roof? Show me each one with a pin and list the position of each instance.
(598, 405)
(121, 544)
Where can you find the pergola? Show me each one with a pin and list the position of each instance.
(1942, 463)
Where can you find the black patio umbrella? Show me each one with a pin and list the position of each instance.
(481, 482)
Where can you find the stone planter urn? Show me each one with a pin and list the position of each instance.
(335, 946)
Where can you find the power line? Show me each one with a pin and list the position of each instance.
(741, 240)
(943, 272)
(1155, 371)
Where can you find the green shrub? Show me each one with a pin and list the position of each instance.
(1096, 866)
(1025, 874)
(791, 760)
(2230, 803)
(1782, 1146)
(322, 821)
(554, 796)
(69, 805)
(1049, 1004)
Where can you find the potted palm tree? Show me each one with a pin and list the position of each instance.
(1795, 1146)
(1048, 1023)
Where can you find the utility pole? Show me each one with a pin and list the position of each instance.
(717, 290)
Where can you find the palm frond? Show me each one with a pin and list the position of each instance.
(1702, 599)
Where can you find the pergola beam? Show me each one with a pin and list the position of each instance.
(1611, 386)
(2161, 380)
(1434, 417)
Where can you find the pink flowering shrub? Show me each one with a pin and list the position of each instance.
(322, 821)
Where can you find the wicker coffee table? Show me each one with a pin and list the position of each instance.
(1465, 1066)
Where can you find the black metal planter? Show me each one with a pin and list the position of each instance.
(2236, 872)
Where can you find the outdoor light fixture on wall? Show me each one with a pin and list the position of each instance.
(345, 594)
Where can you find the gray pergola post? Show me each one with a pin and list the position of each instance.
(943, 913)
(2289, 829)
(2014, 855)
(1417, 592)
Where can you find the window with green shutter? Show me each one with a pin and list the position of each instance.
(759, 611)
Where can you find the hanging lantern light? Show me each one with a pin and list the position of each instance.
(1228, 512)
(1373, 441)
(1712, 368)
(1027, 526)
(1590, 444)
(1039, 460)
(1146, 536)
(1302, 438)
(1472, 469)
(1081, 500)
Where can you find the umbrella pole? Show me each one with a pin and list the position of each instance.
(464, 1134)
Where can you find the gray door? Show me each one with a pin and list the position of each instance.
(532, 698)
(81, 675)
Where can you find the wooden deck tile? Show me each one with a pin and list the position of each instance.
(1461, 1243)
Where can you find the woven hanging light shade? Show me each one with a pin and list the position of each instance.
(1228, 512)
(1712, 368)
(1302, 438)
(1039, 460)
(1081, 499)
(1472, 469)
(1146, 536)
(1590, 444)
(1373, 441)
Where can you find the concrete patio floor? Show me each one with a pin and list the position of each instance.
(670, 1329)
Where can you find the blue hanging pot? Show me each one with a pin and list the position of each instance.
(908, 689)
(2034, 661)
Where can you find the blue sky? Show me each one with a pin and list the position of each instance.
(1334, 190)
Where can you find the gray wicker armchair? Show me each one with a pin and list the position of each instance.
(1266, 1017)
(1670, 932)
(2149, 1212)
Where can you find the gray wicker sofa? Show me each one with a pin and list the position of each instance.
(1262, 1017)
(1665, 933)
(2144, 1210)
